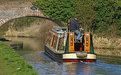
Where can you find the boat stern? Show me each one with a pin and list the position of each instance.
(75, 58)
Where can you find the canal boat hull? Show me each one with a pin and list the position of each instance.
(55, 56)
(68, 57)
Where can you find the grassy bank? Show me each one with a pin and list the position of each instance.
(12, 64)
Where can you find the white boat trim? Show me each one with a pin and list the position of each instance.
(91, 56)
(74, 56)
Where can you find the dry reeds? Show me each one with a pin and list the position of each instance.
(106, 43)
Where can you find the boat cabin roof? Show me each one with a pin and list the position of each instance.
(58, 30)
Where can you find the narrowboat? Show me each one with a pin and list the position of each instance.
(61, 47)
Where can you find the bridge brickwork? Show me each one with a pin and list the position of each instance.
(12, 10)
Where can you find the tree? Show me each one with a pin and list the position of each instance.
(58, 9)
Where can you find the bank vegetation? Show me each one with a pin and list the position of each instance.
(12, 64)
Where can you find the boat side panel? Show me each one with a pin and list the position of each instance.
(53, 55)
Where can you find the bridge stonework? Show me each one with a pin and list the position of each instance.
(12, 10)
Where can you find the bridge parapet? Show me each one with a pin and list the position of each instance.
(12, 10)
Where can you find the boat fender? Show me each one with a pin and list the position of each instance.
(81, 54)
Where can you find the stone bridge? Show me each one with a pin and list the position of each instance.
(12, 10)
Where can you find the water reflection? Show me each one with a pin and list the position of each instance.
(44, 65)
(110, 59)
(30, 44)
(33, 53)
(77, 68)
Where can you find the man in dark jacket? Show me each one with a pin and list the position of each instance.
(74, 27)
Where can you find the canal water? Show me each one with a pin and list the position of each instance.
(33, 53)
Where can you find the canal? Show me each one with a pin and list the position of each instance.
(33, 53)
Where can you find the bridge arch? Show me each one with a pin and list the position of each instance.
(13, 10)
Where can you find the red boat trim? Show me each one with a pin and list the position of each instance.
(76, 60)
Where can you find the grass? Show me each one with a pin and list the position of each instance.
(12, 64)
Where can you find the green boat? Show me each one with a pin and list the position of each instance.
(61, 46)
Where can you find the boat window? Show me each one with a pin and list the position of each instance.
(53, 39)
(61, 44)
(55, 42)
(49, 38)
